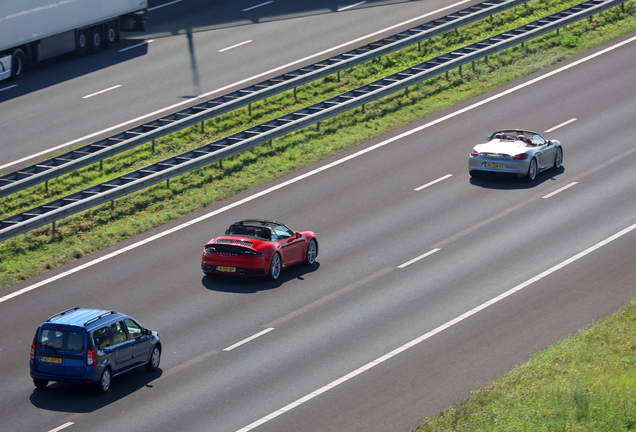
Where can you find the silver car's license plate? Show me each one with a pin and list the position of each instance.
(494, 165)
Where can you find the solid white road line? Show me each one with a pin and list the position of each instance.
(352, 6)
(559, 190)
(234, 46)
(101, 91)
(64, 426)
(433, 182)
(257, 6)
(106, 130)
(314, 172)
(230, 348)
(431, 252)
(437, 330)
(561, 125)
(163, 5)
(221, 89)
(7, 88)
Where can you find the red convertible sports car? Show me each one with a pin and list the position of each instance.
(256, 247)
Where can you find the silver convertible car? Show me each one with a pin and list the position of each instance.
(515, 151)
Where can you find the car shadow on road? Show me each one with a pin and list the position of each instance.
(251, 285)
(79, 398)
(512, 181)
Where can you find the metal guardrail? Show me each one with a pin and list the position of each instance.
(170, 123)
(267, 131)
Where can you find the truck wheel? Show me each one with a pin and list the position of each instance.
(18, 64)
(97, 39)
(112, 35)
(81, 43)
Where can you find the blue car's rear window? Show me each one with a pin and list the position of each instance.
(61, 339)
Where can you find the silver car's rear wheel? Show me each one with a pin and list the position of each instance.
(558, 158)
(532, 170)
(274, 267)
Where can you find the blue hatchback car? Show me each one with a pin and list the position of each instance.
(91, 346)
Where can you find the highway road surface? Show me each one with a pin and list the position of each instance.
(428, 283)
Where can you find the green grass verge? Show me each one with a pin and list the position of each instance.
(32, 253)
(583, 383)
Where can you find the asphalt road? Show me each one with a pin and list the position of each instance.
(191, 48)
(370, 338)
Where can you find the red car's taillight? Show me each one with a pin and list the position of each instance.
(474, 153)
(520, 156)
(32, 351)
(90, 358)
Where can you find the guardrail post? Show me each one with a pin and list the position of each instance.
(318, 126)
(249, 109)
(418, 46)
(112, 204)
(46, 186)
(406, 91)
(168, 183)
(153, 146)
(446, 75)
(221, 163)
(53, 229)
(101, 164)
(338, 77)
(202, 127)
(363, 107)
(460, 70)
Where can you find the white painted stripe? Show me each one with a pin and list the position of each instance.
(10, 87)
(310, 173)
(559, 190)
(64, 426)
(257, 6)
(561, 125)
(431, 252)
(230, 348)
(437, 330)
(106, 130)
(433, 182)
(163, 5)
(352, 6)
(234, 46)
(205, 95)
(101, 91)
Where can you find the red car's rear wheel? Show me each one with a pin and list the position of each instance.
(274, 267)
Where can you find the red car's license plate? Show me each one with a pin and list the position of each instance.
(52, 360)
(226, 269)
(494, 165)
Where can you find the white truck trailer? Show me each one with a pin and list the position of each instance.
(35, 30)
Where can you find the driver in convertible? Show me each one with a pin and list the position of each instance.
(522, 137)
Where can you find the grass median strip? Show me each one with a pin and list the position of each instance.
(32, 253)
